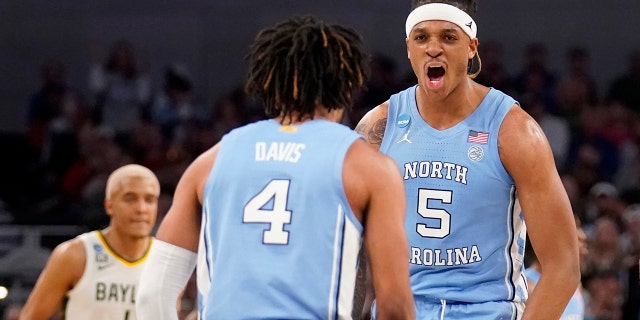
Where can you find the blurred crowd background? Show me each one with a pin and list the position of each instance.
(116, 106)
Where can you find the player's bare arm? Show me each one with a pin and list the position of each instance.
(181, 225)
(173, 258)
(527, 156)
(363, 293)
(374, 199)
(386, 242)
(372, 125)
(61, 273)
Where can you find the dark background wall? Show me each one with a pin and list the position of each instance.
(211, 36)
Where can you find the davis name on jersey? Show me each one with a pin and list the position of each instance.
(279, 151)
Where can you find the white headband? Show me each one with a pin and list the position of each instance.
(442, 11)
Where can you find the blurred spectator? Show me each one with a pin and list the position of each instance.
(226, 115)
(631, 236)
(175, 106)
(554, 127)
(604, 201)
(121, 91)
(592, 157)
(617, 123)
(577, 199)
(605, 297)
(625, 87)
(147, 146)
(46, 103)
(631, 308)
(605, 250)
(576, 87)
(251, 109)
(536, 78)
(382, 83)
(55, 112)
(85, 181)
(627, 177)
(61, 142)
(493, 72)
(232, 110)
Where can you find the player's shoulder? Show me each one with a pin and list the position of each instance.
(204, 162)
(366, 170)
(377, 113)
(195, 176)
(361, 157)
(73, 244)
(522, 143)
(373, 124)
(70, 252)
(519, 127)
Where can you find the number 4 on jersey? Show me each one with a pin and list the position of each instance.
(276, 217)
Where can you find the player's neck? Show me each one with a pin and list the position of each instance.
(128, 247)
(445, 111)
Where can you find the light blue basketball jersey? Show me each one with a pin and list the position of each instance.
(279, 239)
(465, 229)
(575, 308)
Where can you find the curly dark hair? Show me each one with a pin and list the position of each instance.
(468, 6)
(303, 62)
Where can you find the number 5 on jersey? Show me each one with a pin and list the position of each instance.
(276, 192)
(443, 196)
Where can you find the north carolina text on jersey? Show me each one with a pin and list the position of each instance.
(446, 257)
(436, 170)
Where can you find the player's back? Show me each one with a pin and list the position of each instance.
(281, 240)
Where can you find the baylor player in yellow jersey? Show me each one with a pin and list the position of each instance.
(94, 275)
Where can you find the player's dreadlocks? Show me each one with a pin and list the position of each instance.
(304, 62)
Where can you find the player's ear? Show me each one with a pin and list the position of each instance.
(473, 47)
(408, 53)
(108, 206)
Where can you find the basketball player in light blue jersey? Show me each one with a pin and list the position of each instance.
(479, 174)
(282, 205)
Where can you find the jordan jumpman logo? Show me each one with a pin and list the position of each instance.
(405, 137)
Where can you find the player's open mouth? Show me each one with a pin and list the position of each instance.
(435, 75)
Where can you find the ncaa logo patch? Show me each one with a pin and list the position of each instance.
(475, 153)
(403, 120)
(101, 256)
